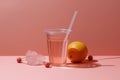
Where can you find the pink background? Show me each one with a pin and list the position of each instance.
(22, 24)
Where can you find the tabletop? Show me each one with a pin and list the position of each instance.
(103, 68)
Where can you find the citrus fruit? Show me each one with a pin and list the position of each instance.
(77, 51)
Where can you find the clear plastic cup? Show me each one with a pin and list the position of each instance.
(57, 46)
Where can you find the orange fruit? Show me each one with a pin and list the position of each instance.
(77, 51)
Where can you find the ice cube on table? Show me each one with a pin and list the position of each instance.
(33, 58)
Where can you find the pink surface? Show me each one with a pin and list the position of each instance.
(109, 70)
(22, 24)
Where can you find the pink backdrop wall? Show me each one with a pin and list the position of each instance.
(22, 24)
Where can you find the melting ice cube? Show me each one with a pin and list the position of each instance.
(33, 58)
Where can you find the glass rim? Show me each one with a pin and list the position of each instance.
(57, 31)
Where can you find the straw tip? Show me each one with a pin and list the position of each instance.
(76, 11)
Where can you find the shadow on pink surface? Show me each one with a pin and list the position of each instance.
(85, 64)
(90, 64)
(110, 58)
